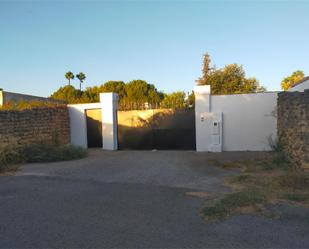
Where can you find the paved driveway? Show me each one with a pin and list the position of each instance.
(132, 199)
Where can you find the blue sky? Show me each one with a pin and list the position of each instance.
(158, 41)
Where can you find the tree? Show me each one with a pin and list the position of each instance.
(69, 76)
(228, 80)
(81, 76)
(232, 80)
(139, 92)
(91, 94)
(114, 86)
(175, 100)
(291, 80)
(136, 93)
(67, 94)
(206, 70)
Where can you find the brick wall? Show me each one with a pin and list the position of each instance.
(19, 128)
(293, 125)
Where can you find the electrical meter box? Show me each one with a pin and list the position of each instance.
(216, 133)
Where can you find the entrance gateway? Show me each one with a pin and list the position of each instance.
(197, 129)
(161, 129)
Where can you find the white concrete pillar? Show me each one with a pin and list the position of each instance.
(1, 97)
(109, 102)
(208, 125)
(202, 108)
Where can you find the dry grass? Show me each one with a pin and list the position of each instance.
(12, 157)
(264, 181)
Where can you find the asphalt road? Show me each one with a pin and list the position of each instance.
(92, 203)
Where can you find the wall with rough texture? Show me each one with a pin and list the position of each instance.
(19, 128)
(293, 125)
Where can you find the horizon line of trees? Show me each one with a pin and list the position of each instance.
(135, 94)
(138, 94)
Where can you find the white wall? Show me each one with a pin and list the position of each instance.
(300, 87)
(6, 97)
(109, 103)
(78, 123)
(248, 120)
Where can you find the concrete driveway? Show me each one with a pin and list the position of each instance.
(133, 199)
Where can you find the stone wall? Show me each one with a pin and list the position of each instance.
(293, 125)
(19, 128)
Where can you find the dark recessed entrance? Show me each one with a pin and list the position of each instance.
(94, 127)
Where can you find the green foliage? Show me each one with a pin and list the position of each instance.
(228, 80)
(140, 92)
(231, 80)
(49, 152)
(22, 105)
(10, 157)
(280, 159)
(136, 94)
(261, 183)
(291, 80)
(118, 87)
(69, 76)
(68, 94)
(230, 202)
(175, 100)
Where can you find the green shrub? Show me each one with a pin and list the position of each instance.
(10, 157)
(280, 159)
(47, 152)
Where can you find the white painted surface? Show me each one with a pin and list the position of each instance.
(202, 120)
(109, 103)
(6, 97)
(300, 87)
(78, 122)
(248, 120)
(215, 142)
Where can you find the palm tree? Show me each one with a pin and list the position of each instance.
(81, 76)
(69, 76)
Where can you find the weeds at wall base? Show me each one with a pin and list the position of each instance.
(270, 180)
(11, 157)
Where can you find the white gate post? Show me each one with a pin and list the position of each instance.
(109, 102)
(208, 125)
(202, 108)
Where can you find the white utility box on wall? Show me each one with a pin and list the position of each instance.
(216, 132)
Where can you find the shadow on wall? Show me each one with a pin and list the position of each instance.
(163, 129)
